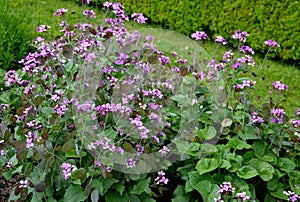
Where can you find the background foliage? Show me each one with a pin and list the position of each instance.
(265, 19)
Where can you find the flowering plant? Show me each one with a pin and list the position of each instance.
(101, 113)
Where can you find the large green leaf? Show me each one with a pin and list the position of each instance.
(262, 151)
(237, 144)
(247, 172)
(107, 183)
(264, 169)
(295, 181)
(286, 165)
(206, 165)
(207, 190)
(74, 193)
(141, 186)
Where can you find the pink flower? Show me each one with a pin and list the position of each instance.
(199, 35)
(42, 28)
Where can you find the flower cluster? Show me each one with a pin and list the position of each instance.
(161, 178)
(279, 86)
(246, 83)
(221, 40)
(255, 118)
(139, 17)
(242, 196)
(271, 44)
(226, 188)
(199, 35)
(292, 196)
(278, 115)
(240, 35)
(67, 170)
(89, 14)
(42, 28)
(60, 12)
(23, 183)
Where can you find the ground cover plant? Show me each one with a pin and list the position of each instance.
(101, 113)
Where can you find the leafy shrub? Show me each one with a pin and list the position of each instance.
(263, 19)
(83, 120)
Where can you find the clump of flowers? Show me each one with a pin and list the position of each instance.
(255, 118)
(292, 196)
(279, 86)
(67, 170)
(199, 35)
(228, 191)
(161, 178)
(278, 115)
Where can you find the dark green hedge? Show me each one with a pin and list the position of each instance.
(264, 19)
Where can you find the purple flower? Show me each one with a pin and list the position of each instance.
(199, 35)
(164, 151)
(221, 40)
(23, 183)
(236, 65)
(292, 196)
(226, 188)
(240, 35)
(242, 196)
(271, 44)
(246, 83)
(67, 169)
(164, 59)
(279, 86)
(246, 50)
(228, 55)
(42, 28)
(138, 17)
(89, 14)
(255, 118)
(295, 123)
(130, 163)
(161, 178)
(60, 12)
(278, 115)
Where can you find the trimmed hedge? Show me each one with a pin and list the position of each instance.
(264, 19)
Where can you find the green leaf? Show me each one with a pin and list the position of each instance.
(98, 185)
(116, 197)
(272, 184)
(193, 149)
(278, 193)
(207, 149)
(73, 154)
(141, 186)
(120, 188)
(264, 169)
(207, 190)
(74, 193)
(207, 133)
(247, 172)
(235, 161)
(206, 165)
(295, 181)
(225, 164)
(210, 133)
(263, 152)
(247, 134)
(286, 165)
(237, 144)
(107, 183)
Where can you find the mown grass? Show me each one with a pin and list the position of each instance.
(41, 12)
